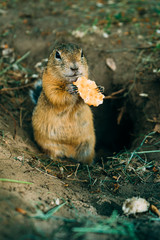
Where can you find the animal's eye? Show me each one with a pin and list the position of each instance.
(82, 55)
(57, 55)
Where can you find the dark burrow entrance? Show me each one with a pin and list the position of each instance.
(114, 126)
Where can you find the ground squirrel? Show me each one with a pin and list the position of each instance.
(62, 122)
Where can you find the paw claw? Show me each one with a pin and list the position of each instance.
(100, 89)
(72, 89)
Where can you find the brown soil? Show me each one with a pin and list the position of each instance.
(121, 123)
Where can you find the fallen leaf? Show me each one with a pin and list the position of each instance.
(111, 64)
(155, 169)
(115, 177)
(66, 185)
(25, 21)
(157, 128)
(21, 210)
(155, 210)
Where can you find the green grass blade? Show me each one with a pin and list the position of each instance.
(13, 181)
(49, 214)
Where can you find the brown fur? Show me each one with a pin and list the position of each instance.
(62, 122)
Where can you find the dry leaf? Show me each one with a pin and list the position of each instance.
(115, 177)
(155, 210)
(25, 21)
(66, 185)
(155, 169)
(21, 210)
(157, 128)
(111, 64)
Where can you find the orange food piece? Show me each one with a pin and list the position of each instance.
(89, 92)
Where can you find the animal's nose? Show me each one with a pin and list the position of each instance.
(74, 68)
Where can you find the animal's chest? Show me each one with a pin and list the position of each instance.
(67, 125)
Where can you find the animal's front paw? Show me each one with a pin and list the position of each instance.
(100, 89)
(72, 89)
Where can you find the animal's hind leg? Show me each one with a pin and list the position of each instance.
(85, 152)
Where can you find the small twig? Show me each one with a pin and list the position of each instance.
(153, 121)
(45, 173)
(137, 174)
(75, 174)
(78, 180)
(95, 180)
(114, 93)
(71, 165)
(39, 170)
(49, 164)
(16, 62)
(118, 177)
(14, 134)
(120, 115)
(15, 88)
(69, 175)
